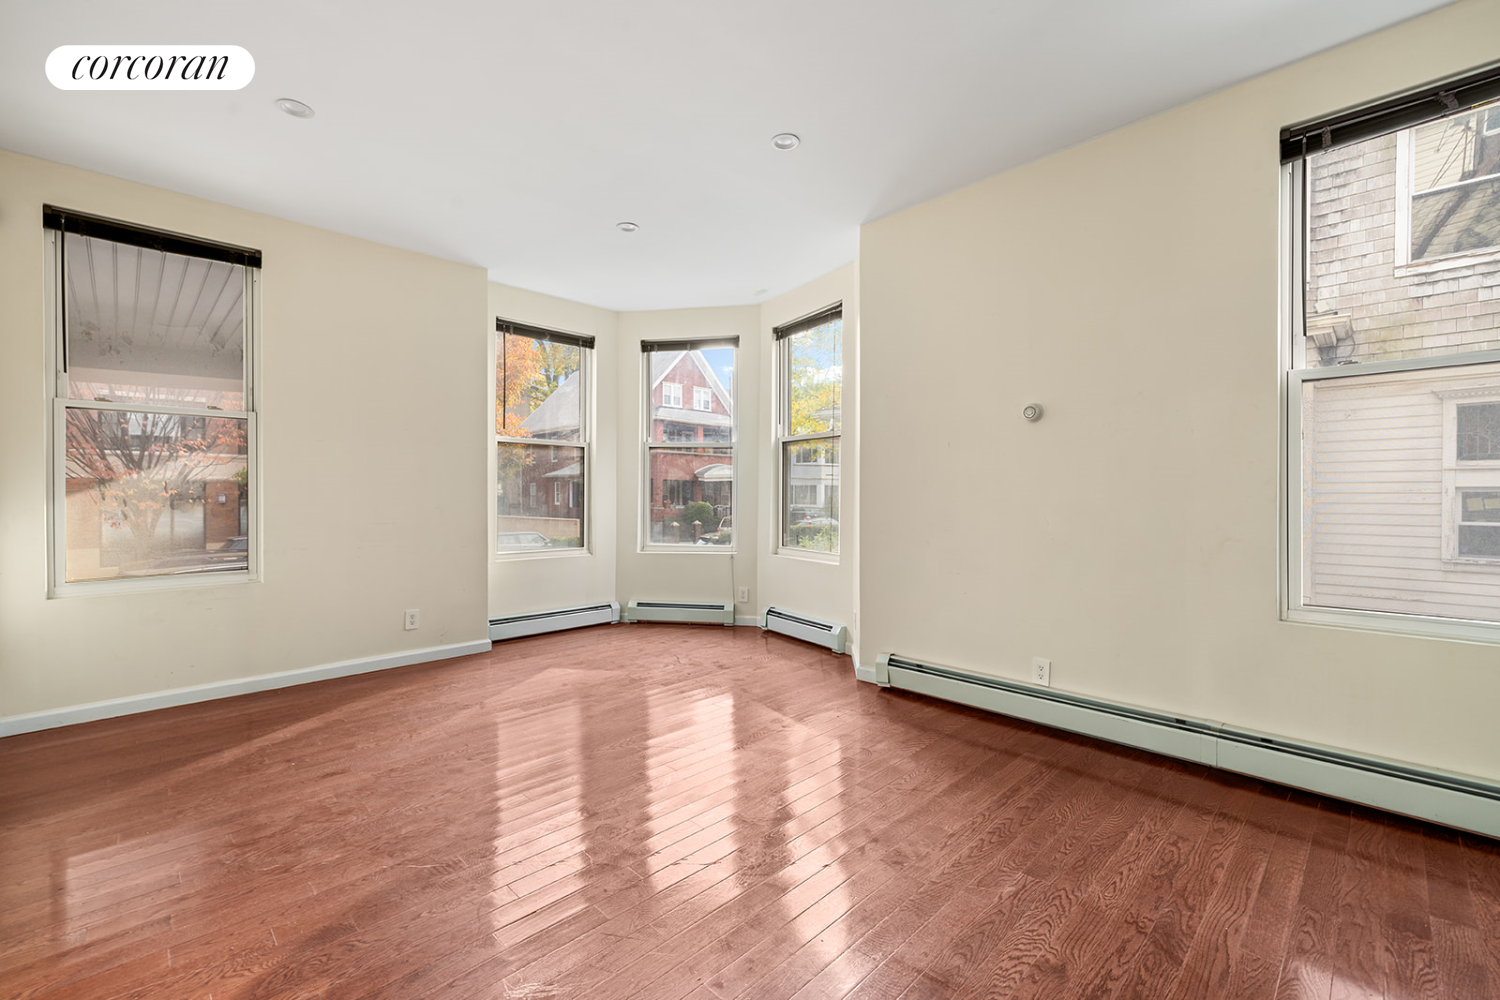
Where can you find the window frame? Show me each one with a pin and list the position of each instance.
(586, 347)
(1293, 239)
(1461, 475)
(703, 398)
(1405, 195)
(649, 447)
(675, 392)
(783, 440)
(57, 225)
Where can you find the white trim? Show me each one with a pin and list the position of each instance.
(747, 620)
(92, 711)
(863, 673)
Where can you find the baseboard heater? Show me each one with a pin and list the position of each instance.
(537, 622)
(808, 629)
(690, 612)
(1457, 800)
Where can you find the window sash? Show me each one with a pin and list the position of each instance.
(57, 223)
(582, 445)
(1293, 606)
(783, 345)
(644, 497)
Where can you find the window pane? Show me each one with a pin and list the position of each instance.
(540, 497)
(154, 494)
(816, 360)
(688, 485)
(1455, 186)
(536, 389)
(699, 377)
(1479, 432)
(810, 518)
(1361, 305)
(1378, 505)
(150, 327)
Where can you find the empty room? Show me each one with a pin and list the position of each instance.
(805, 500)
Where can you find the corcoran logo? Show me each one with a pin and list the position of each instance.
(149, 67)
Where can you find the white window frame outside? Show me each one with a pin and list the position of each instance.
(1405, 190)
(784, 440)
(1293, 243)
(1460, 476)
(703, 398)
(671, 395)
(648, 446)
(55, 289)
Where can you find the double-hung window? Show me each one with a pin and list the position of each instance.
(810, 365)
(689, 453)
(1392, 315)
(541, 438)
(153, 412)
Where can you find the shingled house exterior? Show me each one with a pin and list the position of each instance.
(1400, 470)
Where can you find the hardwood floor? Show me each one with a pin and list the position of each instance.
(668, 812)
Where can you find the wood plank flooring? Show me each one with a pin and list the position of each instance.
(695, 813)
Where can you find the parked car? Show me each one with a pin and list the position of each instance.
(510, 541)
(723, 536)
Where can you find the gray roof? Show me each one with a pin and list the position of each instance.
(557, 417)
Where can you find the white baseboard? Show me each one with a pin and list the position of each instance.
(866, 674)
(747, 620)
(73, 714)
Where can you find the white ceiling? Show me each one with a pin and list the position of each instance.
(514, 136)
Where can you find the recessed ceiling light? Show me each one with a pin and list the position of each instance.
(626, 227)
(785, 140)
(294, 108)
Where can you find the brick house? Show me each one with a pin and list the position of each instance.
(550, 497)
(689, 404)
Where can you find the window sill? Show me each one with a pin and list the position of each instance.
(147, 584)
(1420, 626)
(808, 555)
(521, 554)
(701, 550)
(1417, 269)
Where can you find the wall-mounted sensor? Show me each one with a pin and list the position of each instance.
(1032, 412)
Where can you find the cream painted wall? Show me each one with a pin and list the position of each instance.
(702, 573)
(374, 407)
(522, 583)
(800, 582)
(1131, 285)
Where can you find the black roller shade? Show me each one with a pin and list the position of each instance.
(1422, 104)
(703, 344)
(505, 326)
(67, 221)
(812, 319)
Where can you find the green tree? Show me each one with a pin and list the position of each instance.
(816, 379)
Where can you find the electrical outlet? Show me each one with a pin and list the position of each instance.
(1041, 671)
(413, 619)
(742, 595)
